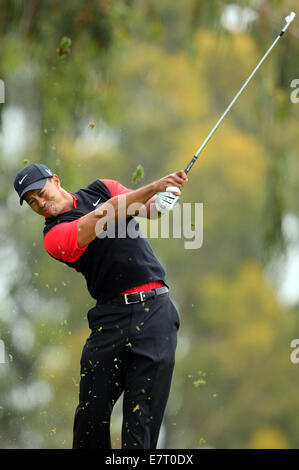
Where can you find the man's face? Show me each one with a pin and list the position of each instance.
(46, 201)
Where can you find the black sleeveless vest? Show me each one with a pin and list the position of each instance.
(110, 265)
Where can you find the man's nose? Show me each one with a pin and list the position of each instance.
(40, 201)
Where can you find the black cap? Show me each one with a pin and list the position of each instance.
(33, 176)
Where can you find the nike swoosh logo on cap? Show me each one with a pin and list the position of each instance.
(49, 171)
(20, 182)
(97, 202)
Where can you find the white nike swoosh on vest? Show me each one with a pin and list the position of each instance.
(20, 182)
(97, 202)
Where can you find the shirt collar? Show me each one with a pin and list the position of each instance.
(75, 200)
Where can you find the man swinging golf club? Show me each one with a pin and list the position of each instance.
(134, 323)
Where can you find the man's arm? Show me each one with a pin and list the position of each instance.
(124, 205)
(148, 210)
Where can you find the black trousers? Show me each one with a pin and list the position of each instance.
(131, 349)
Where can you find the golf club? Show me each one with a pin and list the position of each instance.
(288, 19)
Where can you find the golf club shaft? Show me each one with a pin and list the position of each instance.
(191, 163)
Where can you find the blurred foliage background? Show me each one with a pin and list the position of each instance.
(143, 82)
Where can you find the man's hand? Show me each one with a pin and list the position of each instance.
(168, 198)
(177, 179)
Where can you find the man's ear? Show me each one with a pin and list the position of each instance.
(56, 181)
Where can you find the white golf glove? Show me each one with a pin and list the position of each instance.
(166, 201)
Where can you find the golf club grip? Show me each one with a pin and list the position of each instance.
(190, 164)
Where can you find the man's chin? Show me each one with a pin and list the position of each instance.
(52, 211)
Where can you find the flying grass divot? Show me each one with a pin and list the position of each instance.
(138, 174)
(64, 46)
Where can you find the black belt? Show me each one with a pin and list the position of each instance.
(137, 297)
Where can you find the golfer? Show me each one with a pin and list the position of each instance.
(131, 348)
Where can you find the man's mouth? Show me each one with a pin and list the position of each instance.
(48, 208)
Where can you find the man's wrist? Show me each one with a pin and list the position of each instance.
(155, 187)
